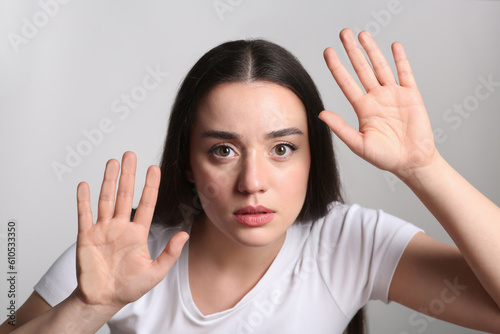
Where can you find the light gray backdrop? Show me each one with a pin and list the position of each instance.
(73, 95)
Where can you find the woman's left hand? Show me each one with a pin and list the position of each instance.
(394, 129)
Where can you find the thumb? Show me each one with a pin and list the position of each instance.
(351, 137)
(171, 253)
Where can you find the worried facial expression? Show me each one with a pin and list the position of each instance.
(250, 160)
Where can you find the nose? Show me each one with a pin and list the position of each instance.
(253, 176)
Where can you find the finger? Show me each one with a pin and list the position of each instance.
(358, 60)
(85, 220)
(125, 194)
(345, 81)
(146, 208)
(171, 253)
(379, 63)
(405, 74)
(106, 202)
(351, 137)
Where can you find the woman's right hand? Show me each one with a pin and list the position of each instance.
(114, 266)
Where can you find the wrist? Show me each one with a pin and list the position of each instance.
(419, 176)
(72, 315)
(91, 312)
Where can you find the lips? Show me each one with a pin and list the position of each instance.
(253, 210)
(254, 216)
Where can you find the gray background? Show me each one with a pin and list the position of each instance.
(66, 76)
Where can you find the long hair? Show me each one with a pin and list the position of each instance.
(245, 61)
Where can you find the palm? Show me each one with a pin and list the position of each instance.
(394, 130)
(108, 257)
(114, 266)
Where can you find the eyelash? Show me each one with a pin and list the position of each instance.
(214, 148)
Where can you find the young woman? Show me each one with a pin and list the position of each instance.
(249, 171)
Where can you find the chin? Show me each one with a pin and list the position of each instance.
(256, 239)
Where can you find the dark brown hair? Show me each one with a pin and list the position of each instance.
(246, 61)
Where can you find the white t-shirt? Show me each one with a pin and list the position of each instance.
(324, 273)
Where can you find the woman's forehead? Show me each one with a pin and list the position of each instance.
(251, 106)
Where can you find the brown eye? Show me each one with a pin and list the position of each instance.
(224, 151)
(280, 149)
(283, 150)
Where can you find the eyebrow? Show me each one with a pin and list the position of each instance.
(227, 135)
(284, 132)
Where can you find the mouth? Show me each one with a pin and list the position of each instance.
(252, 210)
(254, 216)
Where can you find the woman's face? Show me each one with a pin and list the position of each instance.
(250, 160)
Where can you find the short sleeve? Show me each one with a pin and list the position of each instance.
(60, 280)
(392, 235)
(364, 247)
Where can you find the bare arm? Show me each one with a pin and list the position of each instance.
(470, 218)
(73, 315)
(434, 279)
(70, 316)
(32, 307)
(395, 135)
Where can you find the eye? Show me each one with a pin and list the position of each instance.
(283, 150)
(222, 151)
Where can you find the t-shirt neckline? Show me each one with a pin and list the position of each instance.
(274, 269)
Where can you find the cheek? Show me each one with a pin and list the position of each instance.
(295, 180)
(212, 185)
(290, 183)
